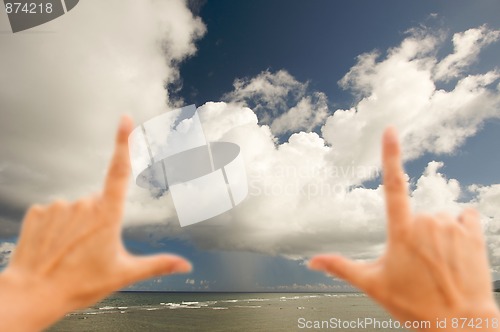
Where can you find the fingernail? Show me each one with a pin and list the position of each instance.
(125, 122)
(182, 266)
(391, 135)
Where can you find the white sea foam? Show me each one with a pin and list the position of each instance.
(170, 304)
(184, 305)
(107, 308)
(208, 302)
(255, 300)
(94, 313)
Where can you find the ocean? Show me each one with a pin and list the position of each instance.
(172, 311)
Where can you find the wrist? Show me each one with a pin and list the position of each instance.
(28, 303)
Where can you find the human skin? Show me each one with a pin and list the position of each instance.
(434, 266)
(71, 255)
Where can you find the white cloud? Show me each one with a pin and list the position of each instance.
(400, 90)
(6, 250)
(65, 84)
(269, 91)
(281, 101)
(434, 192)
(304, 193)
(487, 201)
(467, 46)
(308, 113)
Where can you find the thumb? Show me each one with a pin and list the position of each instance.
(145, 267)
(356, 273)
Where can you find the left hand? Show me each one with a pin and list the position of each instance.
(71, 255)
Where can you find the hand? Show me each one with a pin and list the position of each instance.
(70, 255)
(435, 266)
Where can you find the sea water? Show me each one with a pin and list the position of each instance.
(173, 311)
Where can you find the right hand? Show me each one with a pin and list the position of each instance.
(434, 267)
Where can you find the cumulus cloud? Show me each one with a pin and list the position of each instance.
(281, 101)
(306, 194)
(307, 114)
(65, 84)
(434, 192)
(466, 50)
(487, 200)
(400, 89)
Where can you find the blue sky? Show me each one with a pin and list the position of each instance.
(315, 41)
(303, 47)
(319, 41)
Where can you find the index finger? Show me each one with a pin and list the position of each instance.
(395, 186)
(115, 186)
